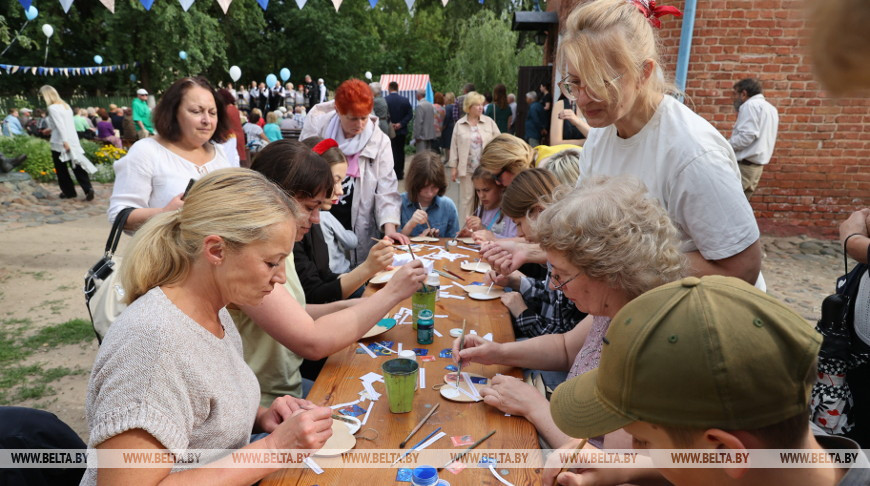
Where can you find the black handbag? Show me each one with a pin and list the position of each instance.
(105, 265)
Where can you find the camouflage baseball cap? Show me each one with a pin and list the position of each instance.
(700, 353)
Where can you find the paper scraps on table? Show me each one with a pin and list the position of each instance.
(367, 350)
(377, 348)
(451, 367)
(461, 440)
(427, 358)
(399, 346)
(441, 316)
(442, 288)
(422, 376)
(446, 353)
(469, 249)
(313, 465)
(366, 417)
(448, 295)
(469, 332)
(431, 441)
(367, 381)
(342, 405)
(402, 316)
(384, 348)
(456, 467)
(404, 475)
(488, 336)
(435, 331)
(421, 351)
(486, 461)
(352, 411)
(471, 387)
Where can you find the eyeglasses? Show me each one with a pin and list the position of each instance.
(571, 90)
(555, 278)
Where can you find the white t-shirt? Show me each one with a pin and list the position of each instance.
(690, 168)
(150, 175)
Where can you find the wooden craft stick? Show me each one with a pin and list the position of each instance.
(414, 431)
(466, 451)
(576, 449)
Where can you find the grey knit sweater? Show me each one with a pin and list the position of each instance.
(160, 371)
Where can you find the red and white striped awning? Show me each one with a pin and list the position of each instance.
(407, 82)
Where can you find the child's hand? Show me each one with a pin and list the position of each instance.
(473, 223)
(420, 217)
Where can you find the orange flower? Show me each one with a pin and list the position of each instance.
(43, 172)
(54, 170)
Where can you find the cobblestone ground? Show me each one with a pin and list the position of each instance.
(27, 204)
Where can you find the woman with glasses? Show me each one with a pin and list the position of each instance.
(615, 77)
(606, 243)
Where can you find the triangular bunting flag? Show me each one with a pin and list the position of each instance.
(33, 70)
(372, 3)
(66, 4)
(264, 4)
(444, 2)
(25, 3)
(14, 69)
(147, 4)
(185, 4)
(225, 5)
(41, 71)
(301, 3)
(109, 4)
(336, 4)
(410, 4)
(64, 71)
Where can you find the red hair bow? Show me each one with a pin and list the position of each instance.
(652, 12)
(324, 145)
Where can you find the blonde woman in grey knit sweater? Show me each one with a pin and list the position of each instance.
(170, 373)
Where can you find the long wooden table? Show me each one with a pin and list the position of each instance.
(339, 383)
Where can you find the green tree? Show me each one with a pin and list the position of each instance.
(487, 53)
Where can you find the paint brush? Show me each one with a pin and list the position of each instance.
(336, 416)
(457, 276)
(576, 449)
(427, 221)
(447, 275)
(466, 451)
(459, 368)
(418, 444)
(414, 431)
(490, 287)
(414, 257)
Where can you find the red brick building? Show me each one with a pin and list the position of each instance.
(820, 170)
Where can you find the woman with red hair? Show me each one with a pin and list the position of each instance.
(370, 205)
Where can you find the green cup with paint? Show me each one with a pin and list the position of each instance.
(423, 299)
(400, 377)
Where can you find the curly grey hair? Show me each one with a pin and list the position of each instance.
(610, 229)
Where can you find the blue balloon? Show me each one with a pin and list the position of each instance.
(132, 77)
(31, 13)
(285, 74)
(271, 80)
(182, 55)
(98, 59)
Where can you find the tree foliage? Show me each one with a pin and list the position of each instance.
(464, 41)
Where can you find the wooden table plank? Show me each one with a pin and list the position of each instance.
(339, 383)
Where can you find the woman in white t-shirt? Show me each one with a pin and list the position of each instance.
(153, 175)
(613, 73)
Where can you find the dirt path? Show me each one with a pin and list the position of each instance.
(42, 266)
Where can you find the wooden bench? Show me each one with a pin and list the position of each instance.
(291, 133)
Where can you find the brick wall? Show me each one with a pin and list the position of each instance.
(820, 170)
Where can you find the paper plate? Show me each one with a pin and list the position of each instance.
(381, 327)
(383, 277)
(483, 295)
(481, 267)
(424, 239)
(342, 439)
(467, 240)
(449, 392)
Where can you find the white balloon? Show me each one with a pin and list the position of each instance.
(47, 30)
(368, 75)
(235, 73)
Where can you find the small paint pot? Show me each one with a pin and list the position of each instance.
(456, 332)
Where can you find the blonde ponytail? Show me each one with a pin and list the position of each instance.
(239, 205)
